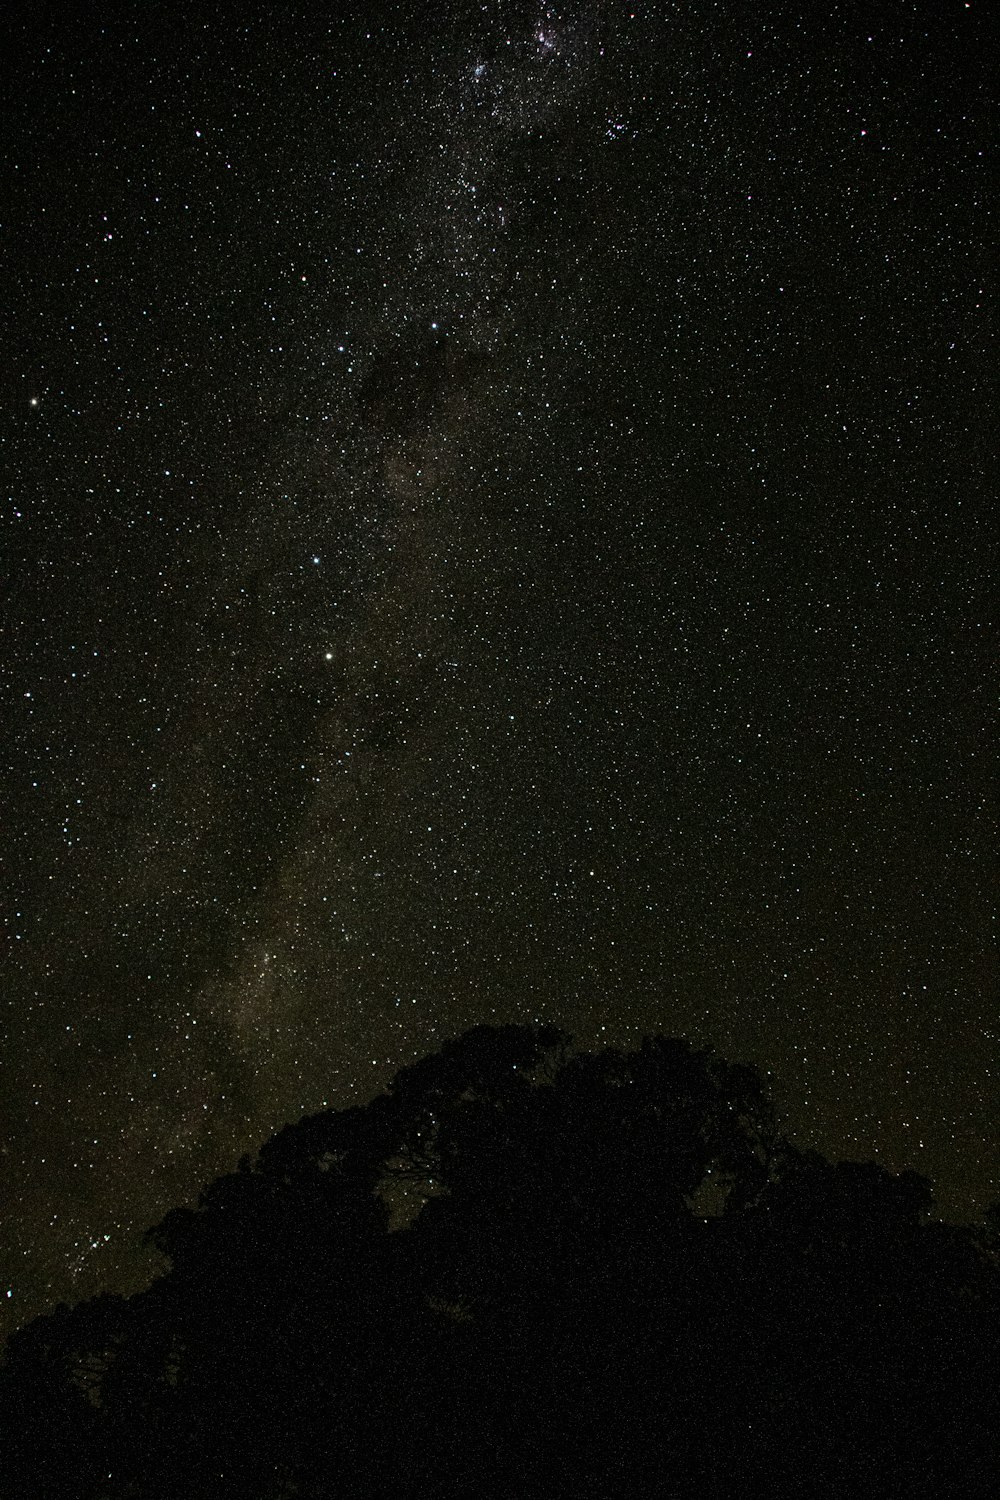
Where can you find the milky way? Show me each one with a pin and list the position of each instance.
(497, 513)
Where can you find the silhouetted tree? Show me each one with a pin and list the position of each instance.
(615, 1278)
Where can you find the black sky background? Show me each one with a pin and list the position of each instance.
(497, 524)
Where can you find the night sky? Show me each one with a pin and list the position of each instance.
(496, 518)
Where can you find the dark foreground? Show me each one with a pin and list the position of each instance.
(620, 1281)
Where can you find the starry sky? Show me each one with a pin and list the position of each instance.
(496, 524)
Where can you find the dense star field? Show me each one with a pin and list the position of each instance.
(496, 526)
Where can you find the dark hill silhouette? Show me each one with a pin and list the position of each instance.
(617, 1279)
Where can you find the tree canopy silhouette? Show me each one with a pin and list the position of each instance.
(526, 1270)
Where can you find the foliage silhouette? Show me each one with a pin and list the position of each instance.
(620, 1280)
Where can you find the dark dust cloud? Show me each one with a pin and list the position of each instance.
(496, 523)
